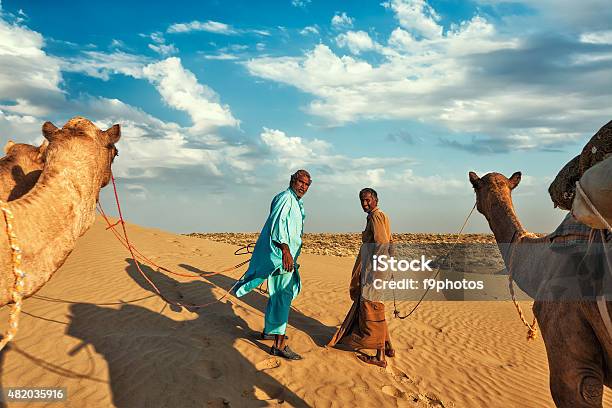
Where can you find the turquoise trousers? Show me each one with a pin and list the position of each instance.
(282, 288)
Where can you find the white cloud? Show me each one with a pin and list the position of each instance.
(222, 56)
(117, 43)
(597, 37)
(164, 49)
(470, 78)
(313, 29)
(333, 170)
(102, 65)
(181, 90)
(355, 41)
(30, 85)
(341, 21)
(300, 3)
(416, 16)
(137, 191)
(208, 26)
(27, 73)
(160, 46)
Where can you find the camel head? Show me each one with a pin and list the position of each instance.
(31, 154)
(83, 141)
(493, 188)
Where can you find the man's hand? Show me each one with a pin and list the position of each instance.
(287, 258)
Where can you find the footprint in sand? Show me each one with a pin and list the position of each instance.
(209, 370)
(394, 392)
(400, 376)
(268, 364)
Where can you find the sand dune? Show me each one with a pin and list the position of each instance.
(145, 353)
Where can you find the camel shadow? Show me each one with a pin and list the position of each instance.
(154, 360)
(23, 182)
(319, 332)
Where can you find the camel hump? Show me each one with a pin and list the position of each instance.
(79, 122)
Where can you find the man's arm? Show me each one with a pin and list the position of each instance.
(280, 230)
(380, 228)
(287, 258)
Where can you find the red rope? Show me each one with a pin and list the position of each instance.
(131, 248)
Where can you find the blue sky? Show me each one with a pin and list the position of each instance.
(220, 102)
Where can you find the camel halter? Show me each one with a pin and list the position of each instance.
(18, 285)
(532, 329)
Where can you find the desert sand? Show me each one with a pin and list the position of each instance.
(108, 348)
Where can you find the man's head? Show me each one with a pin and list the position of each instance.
(369, 199)
(300, 181)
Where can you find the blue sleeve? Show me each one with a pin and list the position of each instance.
(279, 215)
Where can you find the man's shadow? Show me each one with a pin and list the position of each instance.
(319, 332)
(154, 360)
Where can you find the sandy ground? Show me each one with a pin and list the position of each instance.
(145, 354)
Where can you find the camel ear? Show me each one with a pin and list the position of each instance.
(42, 150)
(8, 145)
(514, 180)
(474, 179)
(49, 131)
(113, 134)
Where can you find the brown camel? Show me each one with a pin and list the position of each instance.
(61, 206)
(20, 168)
(577, 343)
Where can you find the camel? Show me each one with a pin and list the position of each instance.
(578, 346)
(20, 168)
(61, 206)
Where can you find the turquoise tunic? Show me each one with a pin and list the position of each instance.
(285, 225)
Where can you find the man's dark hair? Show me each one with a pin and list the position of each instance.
(299, 173)
(368, 190)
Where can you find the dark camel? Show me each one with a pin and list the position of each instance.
(578, 346)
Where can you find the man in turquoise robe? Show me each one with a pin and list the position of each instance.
(275, 260)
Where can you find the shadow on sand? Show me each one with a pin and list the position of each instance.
(154, 360)
(316, 330)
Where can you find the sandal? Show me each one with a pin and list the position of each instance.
(372, 360)
(285, 353)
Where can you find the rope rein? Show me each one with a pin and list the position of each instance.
(19, 283)
(532, 329)
(396, 312)
(126, 242)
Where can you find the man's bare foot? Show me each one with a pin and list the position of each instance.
(266, 336)
(389, 350)
(279, 341)
(372, 360)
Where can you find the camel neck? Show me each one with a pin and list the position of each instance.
(505, 226)
(61, 205)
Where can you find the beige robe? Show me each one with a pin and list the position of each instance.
(364, 326)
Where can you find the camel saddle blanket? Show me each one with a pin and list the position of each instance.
(569, 234)
(595, 209)
(563, 188)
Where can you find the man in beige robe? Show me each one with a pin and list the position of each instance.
(364, 326)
